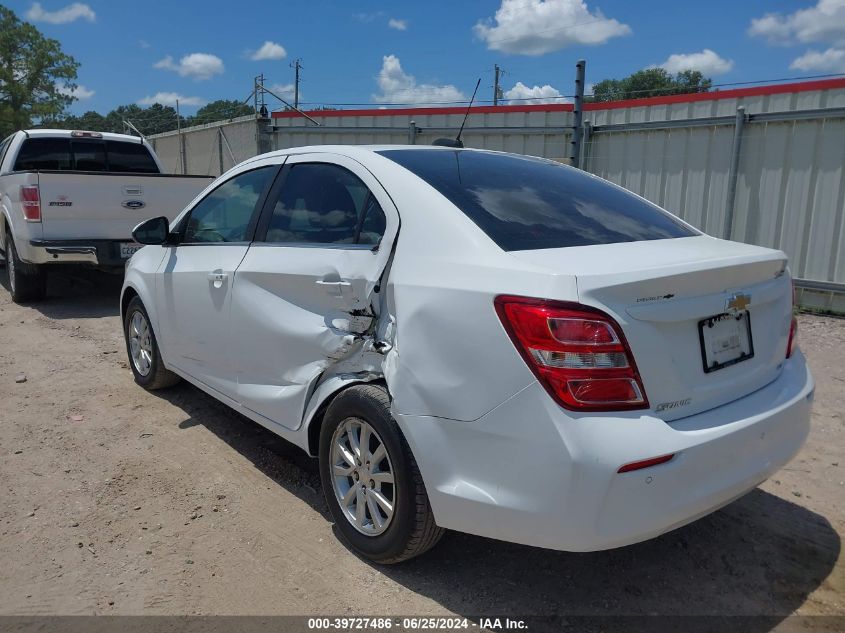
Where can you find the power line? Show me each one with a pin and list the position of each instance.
(144, 122)
(710, 90)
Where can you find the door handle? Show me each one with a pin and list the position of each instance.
(333, 284)
(218, 278)
(334, 288)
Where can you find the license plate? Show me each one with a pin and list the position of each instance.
(128, 249)
(725, 340)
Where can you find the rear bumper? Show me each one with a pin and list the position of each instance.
(529, 473)
(97, 252)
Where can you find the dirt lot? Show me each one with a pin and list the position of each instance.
(118, 501)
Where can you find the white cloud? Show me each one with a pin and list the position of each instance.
(366, 18)
(170, 98)
(707, 62)
(536, 27)
(80, 92)
(144, 44)
(399, 87)
(199, 66)
(399, 25)
(522, 94)
(831, 60)
(824, 22)
(285, 91)
(269, 50)
(70, 13)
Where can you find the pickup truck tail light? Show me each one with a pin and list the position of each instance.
(579, 354)
(31, 203)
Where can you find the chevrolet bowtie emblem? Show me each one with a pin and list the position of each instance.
(738, 302)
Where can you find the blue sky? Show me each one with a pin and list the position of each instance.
(376, 52)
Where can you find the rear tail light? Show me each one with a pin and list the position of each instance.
(579, 354)
(31, 203)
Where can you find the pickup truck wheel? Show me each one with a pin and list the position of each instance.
(144, 357)
(27, 282)
(371, 481)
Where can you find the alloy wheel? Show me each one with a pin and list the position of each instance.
(10, 268)
(362, 477)
(140, 343)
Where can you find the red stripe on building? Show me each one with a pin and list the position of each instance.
(545, 107)
(715, 95)
(736, 93)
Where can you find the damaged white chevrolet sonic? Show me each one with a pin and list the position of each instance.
(476, 341)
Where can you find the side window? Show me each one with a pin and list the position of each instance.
(325, 204)
(225, 213)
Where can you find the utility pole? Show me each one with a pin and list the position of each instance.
(497, 91)
(297, 66)
(181, 140)
(255, 88)
(577, 114)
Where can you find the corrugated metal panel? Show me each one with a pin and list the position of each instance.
(790, 186)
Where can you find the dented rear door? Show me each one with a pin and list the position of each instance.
(304, 295)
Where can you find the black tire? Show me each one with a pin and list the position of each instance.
(27, 282)
(158, 376)
(412, 530)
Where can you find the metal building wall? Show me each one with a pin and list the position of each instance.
(166, 147)
(790, 177)
(209, 149)
(539, 133)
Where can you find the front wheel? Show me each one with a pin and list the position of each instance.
(142, 347)
(27, 282)
(371, 481)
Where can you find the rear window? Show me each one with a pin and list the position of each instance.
(525, 203)
(62, 154)
(44, 154)
(89, 155)
(132, 157)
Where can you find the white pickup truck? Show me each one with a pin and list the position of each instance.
(74, 197)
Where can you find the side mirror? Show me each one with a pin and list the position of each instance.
(154, 231)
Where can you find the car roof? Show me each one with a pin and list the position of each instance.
(360, 151)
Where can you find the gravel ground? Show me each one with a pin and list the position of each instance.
(118, 501)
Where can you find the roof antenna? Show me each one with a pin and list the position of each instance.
(457, 142)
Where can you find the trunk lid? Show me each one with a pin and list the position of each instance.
(661, 291)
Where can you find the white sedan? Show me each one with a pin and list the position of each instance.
(476, 341)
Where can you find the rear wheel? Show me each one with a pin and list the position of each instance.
(371, 481)
(142, 347)
(27, 282)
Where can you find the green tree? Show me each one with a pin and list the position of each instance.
(220, 110)
(36, 77)
(651, 82)
(153, 120)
